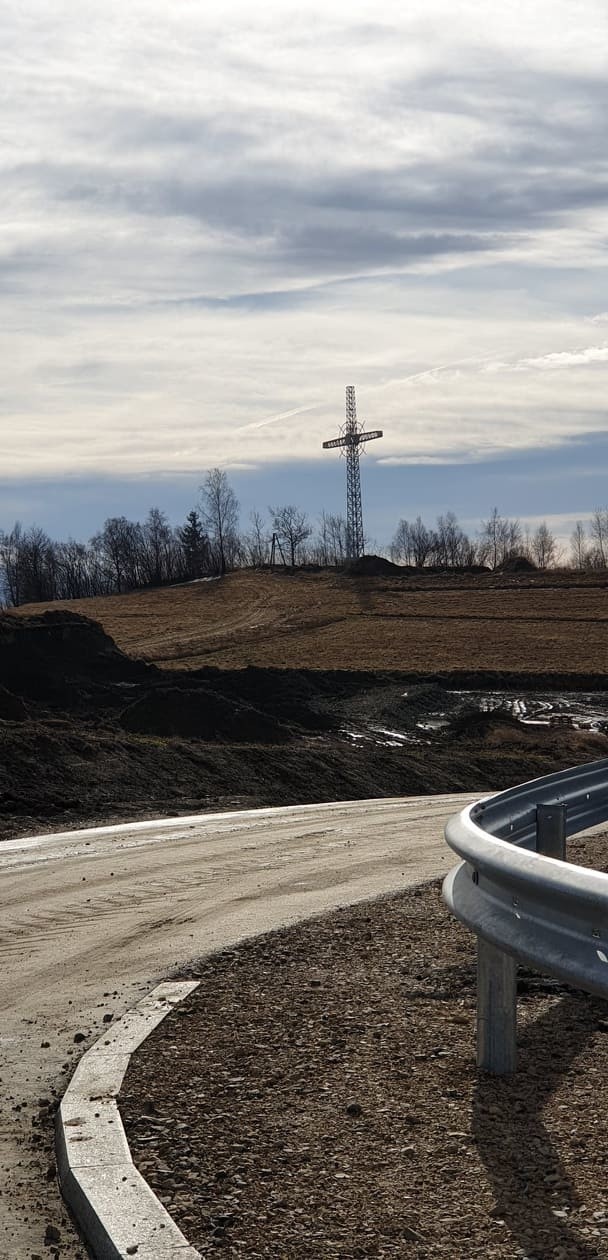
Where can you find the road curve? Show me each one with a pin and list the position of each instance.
(91, 919)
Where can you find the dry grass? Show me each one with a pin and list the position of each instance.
(328, 621)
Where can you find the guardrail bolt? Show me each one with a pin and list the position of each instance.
(551, 830)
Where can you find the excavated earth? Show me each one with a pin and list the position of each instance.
(89, 734)
(317, 1096)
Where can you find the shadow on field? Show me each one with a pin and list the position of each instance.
(529, 1181)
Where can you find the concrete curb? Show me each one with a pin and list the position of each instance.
(117, 1211)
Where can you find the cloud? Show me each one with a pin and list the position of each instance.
(566, 358)
(211, 224)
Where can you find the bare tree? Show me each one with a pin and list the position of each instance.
(499, 539)
(120, 548)
(220, 514)
(29, 565)
(543, 547)
(10, 550)
(292, 526)
(320, 549)
(256, 543)
(35, 569)
(329, 547)
(160, 549)
(422, 542)
(446, 545)
(450, 541)
(413, 543)
(491, 538)
(598, 531)
(337, 537)
(78, 574)
(401, 548)
(468, 551)
(578, 546)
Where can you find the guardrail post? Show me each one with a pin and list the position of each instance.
(496, 1009)
(551, 830)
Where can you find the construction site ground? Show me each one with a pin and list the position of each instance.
(269, 688)
(317, 1096)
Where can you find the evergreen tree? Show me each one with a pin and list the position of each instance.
(195, 546)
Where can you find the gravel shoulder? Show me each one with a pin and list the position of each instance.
(317, 1096)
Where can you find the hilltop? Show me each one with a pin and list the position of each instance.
(427, 624)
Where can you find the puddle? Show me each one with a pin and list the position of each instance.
(583, 711)
(382, 737)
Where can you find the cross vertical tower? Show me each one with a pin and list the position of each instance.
(352, 440)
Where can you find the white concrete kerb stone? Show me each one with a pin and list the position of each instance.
(117, 1211)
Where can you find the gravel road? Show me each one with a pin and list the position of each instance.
(91, 919)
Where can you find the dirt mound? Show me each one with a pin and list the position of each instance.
(372, 566)
(47, 656)
(293, 697)
(201, 714)
(517, 564)
(475, 725)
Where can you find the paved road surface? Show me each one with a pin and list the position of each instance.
(90, 920)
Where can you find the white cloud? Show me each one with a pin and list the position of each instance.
(566, 358)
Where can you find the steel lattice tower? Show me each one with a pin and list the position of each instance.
(352, 440)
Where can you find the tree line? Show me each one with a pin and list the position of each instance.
(499, 540)
(127, 555)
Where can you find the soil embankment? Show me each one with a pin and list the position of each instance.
(87, 733)
(407, 620)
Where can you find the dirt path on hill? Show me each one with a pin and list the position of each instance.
(543, 622)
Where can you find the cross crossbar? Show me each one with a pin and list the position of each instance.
(352, 439)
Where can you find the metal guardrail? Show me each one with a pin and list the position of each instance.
(524, 902)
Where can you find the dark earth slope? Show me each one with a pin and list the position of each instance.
(89, 734)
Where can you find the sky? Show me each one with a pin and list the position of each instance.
(216, 217)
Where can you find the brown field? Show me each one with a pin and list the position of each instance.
(546, 623)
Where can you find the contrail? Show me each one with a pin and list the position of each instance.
(283, 415)
(440, 367)
(365, 389)
(298, 411)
